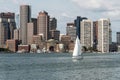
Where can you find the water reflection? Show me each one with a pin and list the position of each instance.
(77, 58)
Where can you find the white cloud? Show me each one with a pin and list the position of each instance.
(109, 8)
(88, 3)
(19, 1)
(66, 15)
(97, 4)
(15, 1)
(113, 13)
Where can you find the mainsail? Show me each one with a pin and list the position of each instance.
(77, 48)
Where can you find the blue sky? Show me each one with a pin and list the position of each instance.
(66, 10)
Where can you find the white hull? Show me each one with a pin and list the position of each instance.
(77, 57)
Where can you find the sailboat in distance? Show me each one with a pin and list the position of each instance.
(77, 50)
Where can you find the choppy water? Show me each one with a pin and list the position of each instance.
(59, 67)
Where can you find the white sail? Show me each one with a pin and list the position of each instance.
(77, 48)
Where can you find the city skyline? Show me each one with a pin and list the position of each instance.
(66, 10)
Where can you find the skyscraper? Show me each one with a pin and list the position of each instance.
(53, 24)
(30, 32)
(34, 21)
(54, 34)
(25, 16)
(103, 35)
(16, 34)
(7, 26)
(87, 33)
(71, 31)
(43, 24)
(78, 25)
(3, 33)
(118, 38)
(95, 34)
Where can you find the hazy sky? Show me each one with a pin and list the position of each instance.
(67, 10)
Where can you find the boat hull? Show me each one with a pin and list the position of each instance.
(77, 57)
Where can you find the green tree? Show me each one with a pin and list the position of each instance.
(90, 49)
(84, 49)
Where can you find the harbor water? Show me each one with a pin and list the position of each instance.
(59, 66)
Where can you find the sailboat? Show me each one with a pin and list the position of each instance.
(77, 50)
